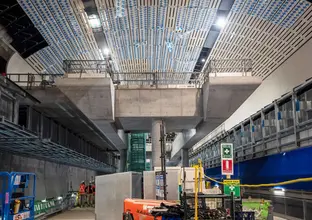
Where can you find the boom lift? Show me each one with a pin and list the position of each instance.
(17, 196)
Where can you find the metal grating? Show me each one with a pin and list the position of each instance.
(63, 25)
(136, 152)
(267, 32)
(156, 36)
(16, 139)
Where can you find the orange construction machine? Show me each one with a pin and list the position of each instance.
(137, 209)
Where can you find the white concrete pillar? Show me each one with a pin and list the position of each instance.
(156, 143)
(123, 160)
(185, 157)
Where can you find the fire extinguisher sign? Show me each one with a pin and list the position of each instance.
(227, 164)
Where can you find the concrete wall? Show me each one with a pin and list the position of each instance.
(158, 103)
(52, 179)
(290, 74)
(17, 64)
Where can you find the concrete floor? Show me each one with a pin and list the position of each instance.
(88, 214)
(77, 214)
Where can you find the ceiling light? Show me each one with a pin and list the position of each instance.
(221, 22)
(106, 51)
(203, 60)
(94, 21)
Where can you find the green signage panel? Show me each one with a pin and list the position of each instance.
(232, 186)
(227, 151)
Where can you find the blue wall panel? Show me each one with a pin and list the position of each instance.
(276, 168)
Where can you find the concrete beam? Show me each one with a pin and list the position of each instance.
(56, 105)
(93, 96)
(158, 102)
(225, 95)
(181, 139)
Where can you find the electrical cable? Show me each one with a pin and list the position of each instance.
(299, 180)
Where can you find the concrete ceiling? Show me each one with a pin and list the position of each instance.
(267, 32)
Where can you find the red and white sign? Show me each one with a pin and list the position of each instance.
(227, 167)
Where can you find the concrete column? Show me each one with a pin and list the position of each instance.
(29, 118)
(205, 90)
(15, 111)
(156, 143)
(185, 157)
(123, 160)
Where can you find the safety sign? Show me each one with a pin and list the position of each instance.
(232, 186)
(227, 167)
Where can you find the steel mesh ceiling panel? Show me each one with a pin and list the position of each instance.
(63, 24)
(156, 36)
(267, 32)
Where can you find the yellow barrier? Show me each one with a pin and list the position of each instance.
(308, 179)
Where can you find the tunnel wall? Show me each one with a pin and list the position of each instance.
(271, 169)
(52, 179)
(291, 73)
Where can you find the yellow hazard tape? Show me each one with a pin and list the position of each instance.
(308, 179)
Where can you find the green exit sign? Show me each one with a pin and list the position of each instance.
(232, 186)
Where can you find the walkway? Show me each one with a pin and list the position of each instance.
(77, 214)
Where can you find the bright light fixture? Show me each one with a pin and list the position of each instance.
(221, 22)
(279, 191)
(106, 51)
(203, 60)
(94, 21)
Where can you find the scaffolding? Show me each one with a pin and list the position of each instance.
(137, 152)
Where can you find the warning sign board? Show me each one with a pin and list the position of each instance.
(232, 186)
(227, 167)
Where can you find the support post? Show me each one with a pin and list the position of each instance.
(0, 100)
(278, 127)
(163, 157)
(156, 143)
(123, 160)
(29, 117)
(185, 158)
(15, 111)
(295, 117)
